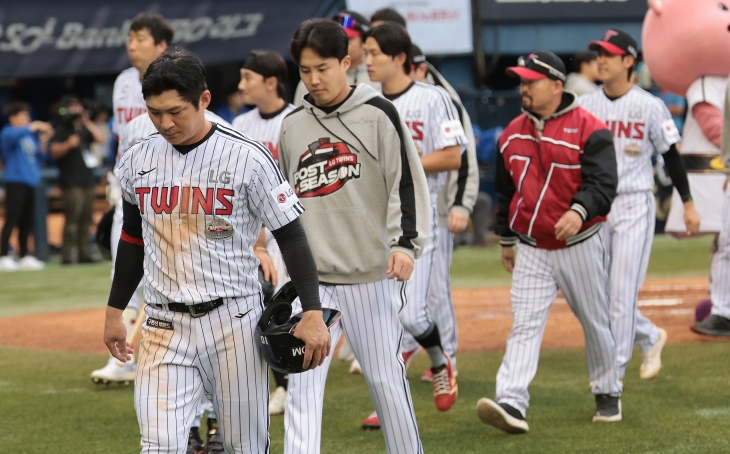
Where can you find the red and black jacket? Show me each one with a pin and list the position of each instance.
(549, 166)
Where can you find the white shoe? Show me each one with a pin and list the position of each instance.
(652, 361)
(113, 373)
(355, 368)
(277, 401)
(30, 263)
(345, 353)
(8, 264)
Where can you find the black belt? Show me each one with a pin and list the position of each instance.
(196, 310)
(703, 163)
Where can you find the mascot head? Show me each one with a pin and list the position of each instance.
(683, 40)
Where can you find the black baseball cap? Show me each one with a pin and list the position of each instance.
(418, 56)
(617, 42)
(539, 65)
(355, 24)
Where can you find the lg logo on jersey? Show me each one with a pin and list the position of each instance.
(223, 177)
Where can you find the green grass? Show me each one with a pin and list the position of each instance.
(55, 288)
(50, 406)
(478, 267)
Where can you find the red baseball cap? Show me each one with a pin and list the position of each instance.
(538, 65)
(355, 24)
(616, 42)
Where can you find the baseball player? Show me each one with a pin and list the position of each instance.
(262, 84)
(641, 125)
(195, 196)
(439, 137)
(718, 321)
(355, 25)
(149, 35)
(352, 164)
(455, 204)
(556, 179)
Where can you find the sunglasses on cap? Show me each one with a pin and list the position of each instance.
(534, 63)
(350, 23)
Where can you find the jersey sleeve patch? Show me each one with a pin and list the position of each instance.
(284, 196)
(452, 129)
(670, 131)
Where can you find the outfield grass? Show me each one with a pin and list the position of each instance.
(50, 406)
(477, 267)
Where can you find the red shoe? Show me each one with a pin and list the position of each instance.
(428, 375)
(372, 422)
(445, 388)
(409, 355)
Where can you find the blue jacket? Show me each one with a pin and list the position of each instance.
(19, 151)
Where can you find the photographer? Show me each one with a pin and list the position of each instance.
(70, 147)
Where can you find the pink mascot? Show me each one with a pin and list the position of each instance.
(686, 45)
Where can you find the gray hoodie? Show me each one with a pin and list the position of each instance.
(357, 173)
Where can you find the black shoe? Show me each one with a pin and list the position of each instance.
(214, 443)
(195, 443)
(714, 325)
(502, 416)
(608, 408)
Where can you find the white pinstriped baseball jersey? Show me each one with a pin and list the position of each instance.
(127, 98)
(640, 124)
(142, 127)
(203, 206)
(433, 121)
(263, 128)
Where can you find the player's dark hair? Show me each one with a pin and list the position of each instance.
(15, 107)
(583, 57)
(393, 40)
(633, 67)
(388, 15)
(176, 69)
(156, 24)
(325, 37)
(269, 63)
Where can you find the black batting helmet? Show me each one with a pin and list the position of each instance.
(281, 350)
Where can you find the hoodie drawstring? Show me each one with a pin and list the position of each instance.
(311, 109)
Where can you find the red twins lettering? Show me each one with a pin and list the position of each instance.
(189, 200)
(416, 128)
(629, 130)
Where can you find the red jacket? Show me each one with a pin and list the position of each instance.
(547, 167)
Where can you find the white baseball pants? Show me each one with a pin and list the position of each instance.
(581, 273)
(215, 354)
(370, 321)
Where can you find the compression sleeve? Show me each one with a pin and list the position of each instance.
(677, 173)
(129, 264)
(300, 263)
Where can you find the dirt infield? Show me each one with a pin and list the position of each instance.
(483, 316)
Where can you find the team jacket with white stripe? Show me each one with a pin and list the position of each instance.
(549, 166)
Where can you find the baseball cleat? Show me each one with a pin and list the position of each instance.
(30, 263)
(652, 362)
(8, 264)
(428, 375)
(372, 422)
(214, 442)
(714, 325)
(114, 373)
(409, 355)
(445, 388)
(195, 444)
(277, 401)
(502, 416)
(355, 368)
(608, 408)
(345, 352)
